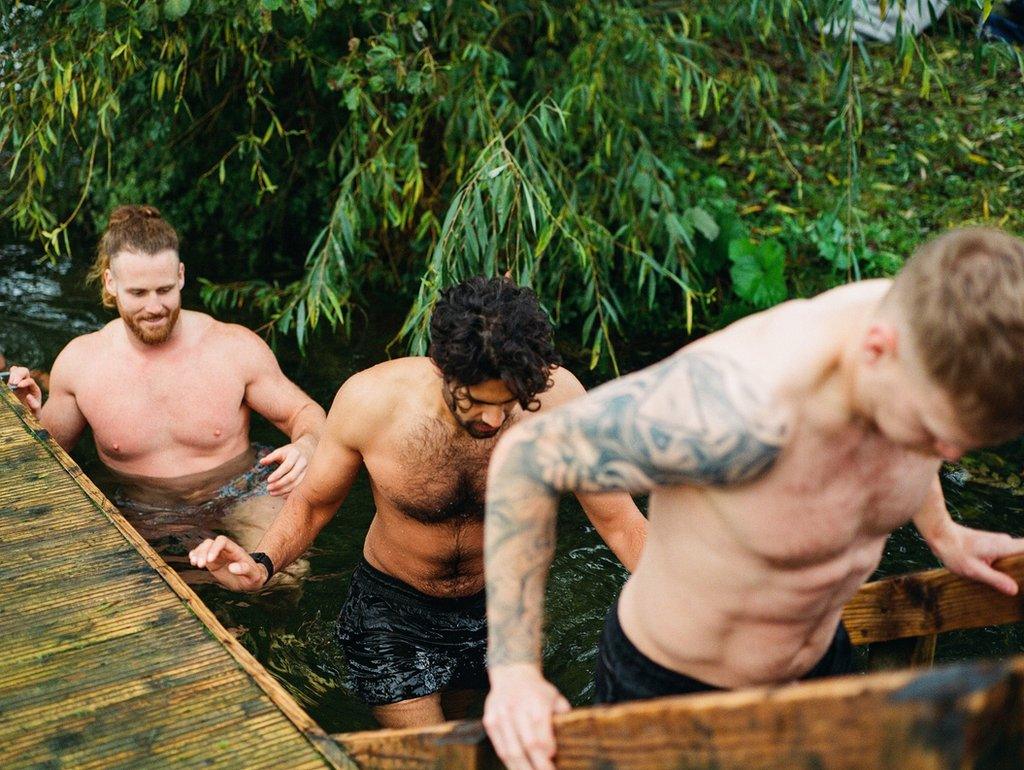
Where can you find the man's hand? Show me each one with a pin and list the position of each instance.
(26, 389)
(970, 553)
(229, 563)
(294, 459)
(518, 716)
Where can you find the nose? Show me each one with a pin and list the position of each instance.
(493, 416)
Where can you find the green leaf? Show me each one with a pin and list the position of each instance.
(703, 222)
(175, 9)
(352, 98)
(148, 17)
(758, 271)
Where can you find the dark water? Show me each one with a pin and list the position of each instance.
(43, 306)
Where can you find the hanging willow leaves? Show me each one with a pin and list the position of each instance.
(330, 147)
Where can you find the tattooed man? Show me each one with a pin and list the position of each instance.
(413, 627)
(779, 453)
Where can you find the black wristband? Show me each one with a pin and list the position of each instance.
(261, 558)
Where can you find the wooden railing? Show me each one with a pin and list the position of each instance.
(899, 618)
(965, 715)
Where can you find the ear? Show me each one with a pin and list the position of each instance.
(181, 275)
(880, 340)
(108, 282)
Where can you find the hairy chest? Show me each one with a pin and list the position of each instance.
(432, 477)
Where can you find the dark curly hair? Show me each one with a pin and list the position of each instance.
(491, 329)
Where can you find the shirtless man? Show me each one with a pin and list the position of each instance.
(413, 626)
(168, 392)
(779, 454)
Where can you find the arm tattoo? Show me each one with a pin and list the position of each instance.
(692, 419)
(695, 418)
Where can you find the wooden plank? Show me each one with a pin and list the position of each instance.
(970, 715)
(83, 589)
(931, 602)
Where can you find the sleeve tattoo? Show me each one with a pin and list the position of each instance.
(695, 418)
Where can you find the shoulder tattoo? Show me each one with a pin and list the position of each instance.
(695, 418)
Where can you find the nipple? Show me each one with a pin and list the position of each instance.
(117, 447)
(216, 432)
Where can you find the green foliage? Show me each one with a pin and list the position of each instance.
(758, 271)
(636, 163)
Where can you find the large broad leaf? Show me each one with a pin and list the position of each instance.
(758, 271)
(175, 9)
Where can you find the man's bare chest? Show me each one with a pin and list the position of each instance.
(821, 499)
(137, 409)
(432, 478)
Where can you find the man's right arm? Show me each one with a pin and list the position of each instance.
(331, 473)
(60, 414)
(696, 418)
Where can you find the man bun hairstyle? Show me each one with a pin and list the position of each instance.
(138, 229)
(491, 329)
(962, 295)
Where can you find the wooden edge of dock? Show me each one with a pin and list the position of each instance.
(966, 715)
(324, 743)
(931, 602)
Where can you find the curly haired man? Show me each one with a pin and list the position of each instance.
(413, 626)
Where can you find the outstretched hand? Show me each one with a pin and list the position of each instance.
(293, 461)
(26, 389)
(229, 563)
(518, 716)
(970, 553)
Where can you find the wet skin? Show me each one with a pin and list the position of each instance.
(168, 392)
(412, 432)
(779, 453)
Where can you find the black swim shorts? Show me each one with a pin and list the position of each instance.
(401, 643)
(624, 673)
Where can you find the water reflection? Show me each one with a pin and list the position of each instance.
(43, 306)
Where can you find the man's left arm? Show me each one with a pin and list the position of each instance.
(965, 551)
(614, 514)
(283, 403)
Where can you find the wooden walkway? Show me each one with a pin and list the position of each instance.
(107, 659)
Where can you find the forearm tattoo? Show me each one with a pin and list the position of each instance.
(695, 418)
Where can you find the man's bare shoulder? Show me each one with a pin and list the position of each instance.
(246, 351)
(208, 329)
(565, 386)
(396, 378)
(88, 347)
(87, 353)
(799, 337)
(388, 394)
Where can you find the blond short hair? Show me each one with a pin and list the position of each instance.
(962, 295)
(139, 229)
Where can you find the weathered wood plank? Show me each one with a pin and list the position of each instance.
(968, 715)
(103, 659)
(930, 602)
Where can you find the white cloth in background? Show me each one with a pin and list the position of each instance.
(869, 24)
